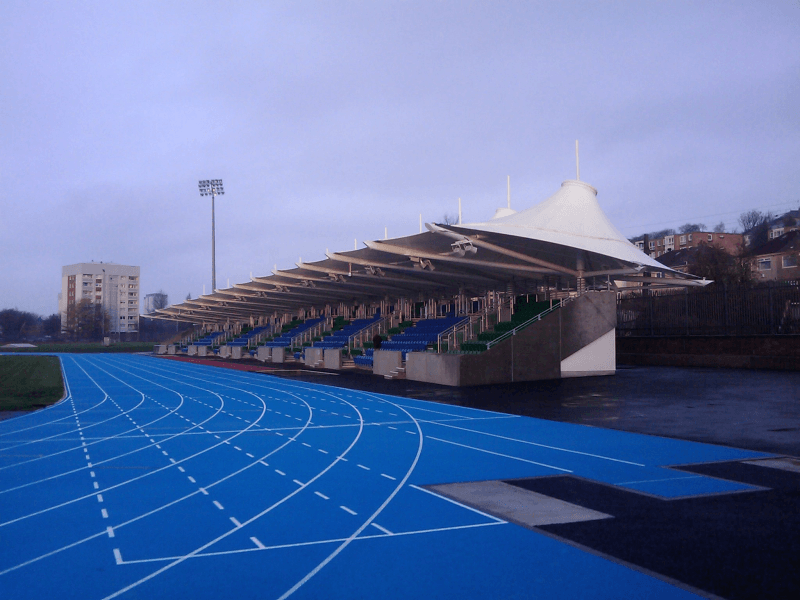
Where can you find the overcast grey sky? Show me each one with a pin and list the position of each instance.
(329, 121)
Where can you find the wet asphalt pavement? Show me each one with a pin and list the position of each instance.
(756, 410)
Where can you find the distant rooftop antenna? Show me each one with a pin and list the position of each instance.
(386, 233)
(355, 243)
(577, 161)
(509, 191)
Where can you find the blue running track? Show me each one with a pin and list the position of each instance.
(162, 479)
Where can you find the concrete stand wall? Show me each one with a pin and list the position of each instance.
(313, 357)
(554, 347)
(385, 361)
(278, 355)
(332, 358)
(263, 353)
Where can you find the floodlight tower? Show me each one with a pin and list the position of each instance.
(212, 187)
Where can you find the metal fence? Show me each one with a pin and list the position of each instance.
(764, 310)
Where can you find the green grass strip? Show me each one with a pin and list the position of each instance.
(29, 382)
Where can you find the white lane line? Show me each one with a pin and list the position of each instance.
(218, 505)
(390, 427)
(104, 512)
(379, 528)
(502, 437)
(388, 476)
(96, 485)
(475, 510)
(172, 460)
(263, 463)
(117, 556)
(237, 447)
(297, 482)
(203, 491)
(250, 455)
(321, 495)
(412, 432)
(181, 469)
(279, 472)
(110, 531)
(99, 497)
(91, 473)
(347, 510)
(306, 445)
(258, 544)
(235, 522)
(191, 479)
(323, 451)
(533, 462)
(363, 467)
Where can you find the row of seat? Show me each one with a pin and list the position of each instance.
(341, 338)
(245, 339)
(285, 339)
(209, 339)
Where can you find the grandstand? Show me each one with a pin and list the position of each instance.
(524, 295)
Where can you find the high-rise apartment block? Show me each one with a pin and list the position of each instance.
(113, 287)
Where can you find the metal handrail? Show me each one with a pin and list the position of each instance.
(450, 330)
(538, 317)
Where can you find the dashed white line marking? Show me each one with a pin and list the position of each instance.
(347, 510)
(279, 472)
(363, 467)
(218, 505)
(88, 457)
(235, 522)
(89, 465)
(237, 447)
(250, 455)
(306, 445)
(172, 460)
(99, 497)
(181, 469)
(323, 451)
(203, 491)
(91, 473)
(383, 529)
(321, 495)
(390, 427)
(388, 476)
(96, 485)
(257, 543)
(110, 531)
(263, 463)
(192, 479)
(297, 482)
(117, 556)
(104, 512)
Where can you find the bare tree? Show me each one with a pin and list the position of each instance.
(160, 300)
(450, 220)
(752, 219)
(719, 227)
(690, 227)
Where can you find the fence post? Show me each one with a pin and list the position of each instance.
(771, 311)
(686, 304)
(650, 305)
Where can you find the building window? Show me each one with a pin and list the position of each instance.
(789, 262)
(764, 264)
(683, 239)
(690, 237)
(710, 237)
(652, 245)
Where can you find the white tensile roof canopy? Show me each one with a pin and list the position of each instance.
(562, 243)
